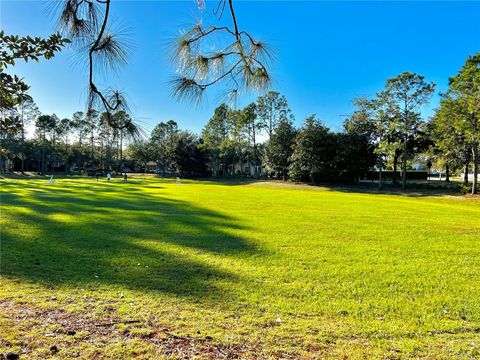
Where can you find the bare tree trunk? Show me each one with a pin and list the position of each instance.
(92, 156)
(270, 124)
(380, 175)
(107, 152)
(116, 151)
(405, 139)
(465, 174)
(395, 166)
(100, 147)
(233, 162)
(255, 154)
(447, 173)
(404, 166)
(23, 142)
(121, 148)
(80, 155)
(43, 160)
(380, 179)
(67, 167)
(475, 168)
(43, 155)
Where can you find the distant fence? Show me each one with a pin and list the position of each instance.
(388, 175)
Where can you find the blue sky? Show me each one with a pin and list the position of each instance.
(327, 53)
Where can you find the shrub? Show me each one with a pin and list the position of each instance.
(467, 188)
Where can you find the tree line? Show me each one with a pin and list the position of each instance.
(84, 141)
(449, 139)
(385, 132)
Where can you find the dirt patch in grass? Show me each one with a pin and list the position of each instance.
(52, 332)
(472, 196)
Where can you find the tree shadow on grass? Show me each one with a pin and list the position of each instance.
(127, 238)
(389, 189)
(413, 190)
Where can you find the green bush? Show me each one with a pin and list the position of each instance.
(467, 188)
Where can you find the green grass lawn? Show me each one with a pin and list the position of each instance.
(153, 269)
